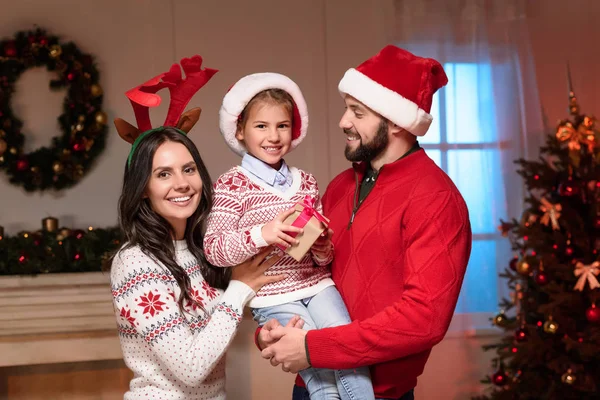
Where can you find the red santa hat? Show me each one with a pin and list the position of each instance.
(398, 85)
(244, 90)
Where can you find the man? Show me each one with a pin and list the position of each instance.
(402, 236)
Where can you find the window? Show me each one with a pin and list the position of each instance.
(463, 141)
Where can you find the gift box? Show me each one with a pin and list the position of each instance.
(311, 221)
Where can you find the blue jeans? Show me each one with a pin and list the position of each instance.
(323, 310)
(301, 393)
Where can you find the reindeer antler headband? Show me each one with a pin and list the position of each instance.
(144, 96)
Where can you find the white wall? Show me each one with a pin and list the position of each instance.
(312, 41)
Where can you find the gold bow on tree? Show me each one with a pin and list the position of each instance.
(566, 132)
(587, 273)
(551, 213)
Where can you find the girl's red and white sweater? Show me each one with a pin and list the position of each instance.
(242, 205)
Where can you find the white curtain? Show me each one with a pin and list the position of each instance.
(487, 116)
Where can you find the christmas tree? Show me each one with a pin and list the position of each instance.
(551, 346)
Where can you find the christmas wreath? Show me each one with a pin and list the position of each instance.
(83, 123)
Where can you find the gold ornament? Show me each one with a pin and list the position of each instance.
(101, 118)
(35, 169)
(588, 122)
(13, 151)
(523, 268)
(81, 118)
(58, 167)
(1, 159)
(79, 127)
(3, 146)
(55, 51)
(550, 326)
(2, 133)
(500, 319)
(551, 213)
(568, 377)
(63, 233)
(96, 90)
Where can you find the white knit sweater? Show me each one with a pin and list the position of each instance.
(171, 357)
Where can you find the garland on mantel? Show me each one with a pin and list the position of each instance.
(56, 250)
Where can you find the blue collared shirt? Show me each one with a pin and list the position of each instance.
(280, 179)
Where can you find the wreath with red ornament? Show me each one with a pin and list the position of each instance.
(82, 122)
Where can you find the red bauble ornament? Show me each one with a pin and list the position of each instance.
(597, 222)
(23, 258)
(10, 49)
(569, 251)
(541, 278)
(22, 165)
(78, 145)
(568, 188)
(513, 263)
(78, 234)
(77, 256)
(43, 40)
(70, 76)
(593, 314)
(499, 378)
(521, 335)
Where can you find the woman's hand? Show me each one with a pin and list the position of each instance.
(252, 271)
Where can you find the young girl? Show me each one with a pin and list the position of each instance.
(174, 322)
(262, 118)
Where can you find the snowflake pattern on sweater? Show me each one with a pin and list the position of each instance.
(242, 205)
(173, 357)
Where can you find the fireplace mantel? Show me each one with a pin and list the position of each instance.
(57, 318)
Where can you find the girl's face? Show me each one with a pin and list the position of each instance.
(267, 134)
(175, 186)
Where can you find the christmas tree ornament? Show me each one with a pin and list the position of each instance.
(551, 213)
(569, 188)
(550, 326)
(568, 377)
(587, 273)
(500, 378)
(500, 319)
(540, 276)
(521, 334)
(592, 314)
(513, 263)
(77, 256)
(523, 268)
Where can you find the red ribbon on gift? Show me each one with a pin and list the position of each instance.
(307, 213)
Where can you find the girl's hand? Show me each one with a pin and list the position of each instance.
(274, 232)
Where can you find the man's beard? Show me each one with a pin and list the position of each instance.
(367, 152)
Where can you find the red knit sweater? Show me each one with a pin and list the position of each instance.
(399, 268)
